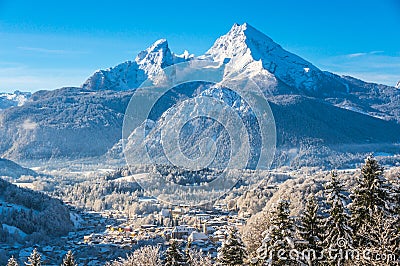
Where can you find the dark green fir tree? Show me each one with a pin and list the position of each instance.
(311, 230)
(338, 231)
(233, 251)
(279, 237)
(173, 255)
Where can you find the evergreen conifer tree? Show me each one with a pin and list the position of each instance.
(34, 259)
(233, 251)
(370, 196)
(12, 262)
(396, 216)
(385, 239)
(69, 259)
(279, 237)
(173, 255)
(338, 232)
(310, 229)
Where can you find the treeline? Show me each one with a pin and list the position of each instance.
(183, 177)
(109, 193)
(105, 194)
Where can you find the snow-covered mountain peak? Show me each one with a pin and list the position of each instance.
(251, 34)
(240, 40)
(244, 48)
(157, 56)
(129, 75)
(158, 45)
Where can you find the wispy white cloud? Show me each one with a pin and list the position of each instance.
(49, 51)
(373, 66)
(356, 55)
(364, 54)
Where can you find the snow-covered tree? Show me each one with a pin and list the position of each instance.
(233, 251)
(69, 259)
(310, 228)
(12, 262)
(385, 237)
(371, 195)
(338, 232)
(310, 223)
(173, 255)
(396, 198)
(197, 258)
(279, 237)
(34, 259)
(396, 216)
(147, 256)
(252, 232)
(144, 256)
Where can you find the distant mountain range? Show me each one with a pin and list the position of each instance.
(309, 105)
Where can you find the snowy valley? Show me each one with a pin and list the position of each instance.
(66, 185)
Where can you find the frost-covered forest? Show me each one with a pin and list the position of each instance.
(291, 211)
(30, 212)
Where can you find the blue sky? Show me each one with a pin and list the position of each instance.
(50, 44)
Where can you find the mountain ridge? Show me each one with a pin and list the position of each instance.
(275, 70)
(87, 121)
